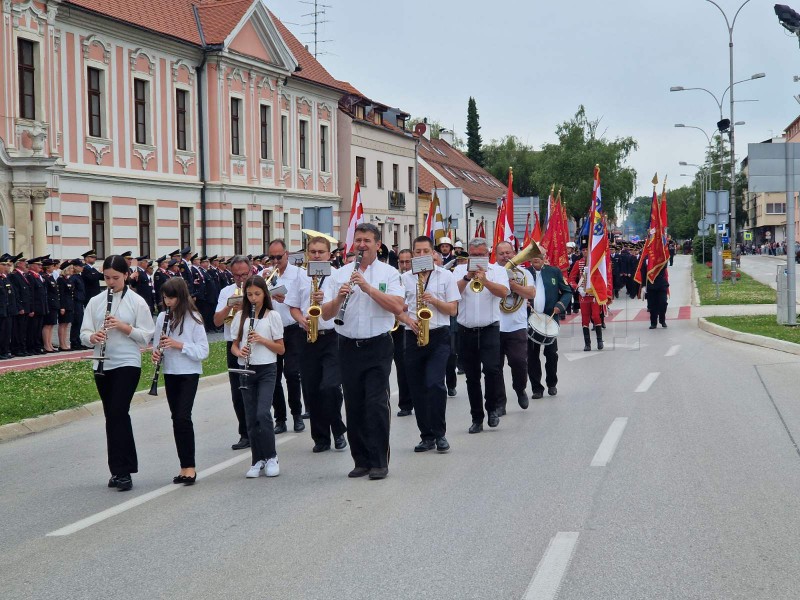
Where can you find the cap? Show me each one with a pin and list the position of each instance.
(161, 259)
(175, 253)
(127, 254)
(145, 257)
(172, 263)
(185, 251)
(77, 262)
(49, 262)
(445, 240)
(90, 254)
(213, 258)
(18, 258)
(194, 257)
(203, 258)
(458, 245)
(570, 244)
(36, 261)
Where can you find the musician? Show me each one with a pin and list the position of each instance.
(261, 343)
(122, 330)
(374, 296)
(293, 339)
(78, 285)
(552, 297)
(91, 278)
(425, 365)
(8, 306)
(319, 361)
(240, 270)
(66, 300)
(24, 293)
(405, 402)
(590, 309)
(514, 329)
(184, 347)
(479, 333)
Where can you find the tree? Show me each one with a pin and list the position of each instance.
(474, 141)
(512, 152)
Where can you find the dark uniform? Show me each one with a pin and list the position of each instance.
(91, 282)
(656, 295)
(78, 286)
(53, 300)
(8, 311)
(19, 327)
(66, 298)
(39, 309)
(143, 286)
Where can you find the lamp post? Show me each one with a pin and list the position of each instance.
(703, 187)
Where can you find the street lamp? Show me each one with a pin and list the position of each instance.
(719, 101)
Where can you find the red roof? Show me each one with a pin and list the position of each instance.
(453, 166)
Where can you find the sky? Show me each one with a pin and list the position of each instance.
(529, 64)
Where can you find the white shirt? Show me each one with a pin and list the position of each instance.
(195, 347)
(482, 309)
(271, 327)
(443, 287)
(538, 301)
(289, 278)
(300, 295)
(121, 350)
(222, 302)
(519, 318)
(364, 317)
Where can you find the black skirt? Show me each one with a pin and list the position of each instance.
(51, 318)
(65, 318)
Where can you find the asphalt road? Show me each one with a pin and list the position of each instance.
(686, 488)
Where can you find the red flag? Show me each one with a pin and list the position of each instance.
(526, 239)
(560, 257)
(657, 252)
(597, 284)
(664, 223)
(536, 234)
(356, 217)
(499, 229)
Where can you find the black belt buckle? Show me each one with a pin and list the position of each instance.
(366, 341)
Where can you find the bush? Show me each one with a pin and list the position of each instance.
(697, 247)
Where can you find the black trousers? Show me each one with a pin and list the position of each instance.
(514, 349)
(657, 305)
(116, 388)
(426, 373)
(405, 402)
(5, 334)
(19, 334)
(535, 365)
(34, 334)
(452, 360)
(365, 369)
(257, 400)
(288, 365)
(481, 346)
(181, 390)
(75, 330)
(322, 386)
(236, 393)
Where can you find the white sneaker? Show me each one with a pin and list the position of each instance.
(272, 469)
(255, 470)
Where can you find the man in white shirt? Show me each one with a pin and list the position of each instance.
(425, 365)
(240, 268)
(479, 332)
(319, 361)
(293, 339)
(514, 329)
(374, 296)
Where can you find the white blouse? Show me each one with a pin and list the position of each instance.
(121, 350)
(195, 347)
(270, 327)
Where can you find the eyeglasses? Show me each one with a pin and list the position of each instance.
(278, 257)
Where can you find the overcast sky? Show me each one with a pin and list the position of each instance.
(530, 63)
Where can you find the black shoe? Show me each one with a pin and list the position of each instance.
(501, 412)
(460, 372)
(241, 444)
(403, 413)
(425, 445)
(112, 483)
(306, 415)
(476, 427)
(124, 483)
(321, 448)
(494, 419)
(184, 479)
(358, 472)
(378, 472)
(663, 323)
(652, 326)
(280, 427)
(298, 424)
(537, 395)
(442, 445)
(522, 399)
(552, 391)
(339, 442)
(451, 392)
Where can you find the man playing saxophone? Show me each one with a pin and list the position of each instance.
(319, 358)
(432, 298)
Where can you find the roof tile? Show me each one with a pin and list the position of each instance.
(450, 158)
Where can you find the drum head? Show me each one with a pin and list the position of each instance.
(543, 329)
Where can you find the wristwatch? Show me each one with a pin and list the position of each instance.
(467, 279)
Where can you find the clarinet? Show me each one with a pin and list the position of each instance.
(101, 359)
(339, 320)
(154, 385)
(244, 372)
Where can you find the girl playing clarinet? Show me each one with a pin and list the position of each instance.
(260, 339)
(119, 325)
(184, 347)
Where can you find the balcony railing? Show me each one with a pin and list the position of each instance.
(397, 200)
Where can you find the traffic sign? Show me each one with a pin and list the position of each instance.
(726, 239)
(721, 227)
(726, 254)
(748, 236)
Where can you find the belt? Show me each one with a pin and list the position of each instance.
(495, 324)
(366, 341)
(325, 331)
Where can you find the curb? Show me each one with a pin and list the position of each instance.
(12, 431)
(748, 338)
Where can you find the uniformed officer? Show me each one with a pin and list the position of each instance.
(91, 277)
(39, 306)
(66, 301)
(50, 319)
(8, 306)
(213, 286)
(142, 282)
(160, 276)
(374, 296)
(24, 294)
(185, 268)
(78, 284)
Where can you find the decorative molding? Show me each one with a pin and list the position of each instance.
(286, 97)
(266, 82)
(57, 40)
(238, 164)
(99, 149)
(236, 73)
(21, 194)
(325, 181)
(251, 77)
(176, 67)
(96, 39)
(6, 6)
(185, 161)
(304, 100)
(52, 11)
(136, 53)
(145, 154)
(40, 195)
(36, 130)
(325, 106)
(29, 6)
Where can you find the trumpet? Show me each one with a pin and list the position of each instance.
(272, 274)
(314, 312)
(424, 314)
(154, 384)
(339, 320)
(101, 359)
(246, 370)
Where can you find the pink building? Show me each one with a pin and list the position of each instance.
(145, 125)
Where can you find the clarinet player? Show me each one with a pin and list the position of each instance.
(120, 324)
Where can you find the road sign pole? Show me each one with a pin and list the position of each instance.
(790, 246)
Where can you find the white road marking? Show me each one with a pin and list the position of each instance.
(647, 382)
(637, 345)
(673, 350)
(609, 444)
(139, 500)
(571, 356)
(552, 567)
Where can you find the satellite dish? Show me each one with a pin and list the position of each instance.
(420, 129)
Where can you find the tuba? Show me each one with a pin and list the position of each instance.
(314, 312)
(513, 302)
(424, 314)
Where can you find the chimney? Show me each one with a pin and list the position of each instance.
(447, 136)
(427, 133)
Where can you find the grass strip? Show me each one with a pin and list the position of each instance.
(765, 325)
(745, 291)
(68, 384)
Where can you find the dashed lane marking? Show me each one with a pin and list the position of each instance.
(673, 350)
(609, 444)
(648, 380)
(553, 566)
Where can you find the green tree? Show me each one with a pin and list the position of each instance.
(474, 141)
(512, 152)
(638, 216)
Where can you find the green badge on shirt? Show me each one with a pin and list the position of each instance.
(382, 287)
(553, 280)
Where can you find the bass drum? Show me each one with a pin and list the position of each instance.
(542, 329)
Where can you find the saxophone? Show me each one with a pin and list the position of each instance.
(314, 312)
(424, 313)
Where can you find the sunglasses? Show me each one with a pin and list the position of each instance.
(278, 257)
